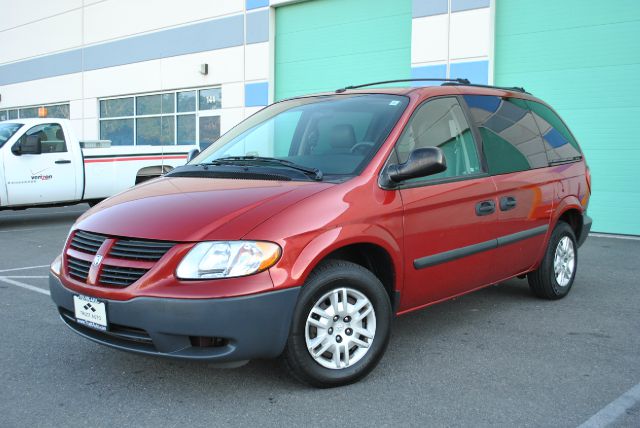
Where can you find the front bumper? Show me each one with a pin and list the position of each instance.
(219, 330)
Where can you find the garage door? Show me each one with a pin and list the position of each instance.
(582, 58)
(327, 44)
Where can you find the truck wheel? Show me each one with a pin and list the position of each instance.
(554, 278)
(340, 327)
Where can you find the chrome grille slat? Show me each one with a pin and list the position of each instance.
(134, 256)
(84, 248)
(140, 250)
(87, 242)
(149, 244)
(91, 236)
(120, 276)
(78, 268)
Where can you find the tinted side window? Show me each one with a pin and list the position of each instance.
(441, 123)
(511, 139)
(51, 136)
(558, 141)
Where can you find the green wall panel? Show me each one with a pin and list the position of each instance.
(322, 45)
(582, 57)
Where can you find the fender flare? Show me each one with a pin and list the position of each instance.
(567, 203)
(342, 236)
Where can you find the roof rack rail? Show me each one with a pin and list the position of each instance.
(478, 85)
(451, 81)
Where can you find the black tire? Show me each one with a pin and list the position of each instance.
(542, 281)
(326, 277)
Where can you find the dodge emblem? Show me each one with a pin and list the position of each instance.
(97, 260)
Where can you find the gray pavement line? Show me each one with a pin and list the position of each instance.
(34, 228)
(25, 286)
(41, 213)
(25, 276)
(23, 268)
(606, 235)
(614, 410)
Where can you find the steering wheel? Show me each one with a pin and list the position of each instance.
(360, 145)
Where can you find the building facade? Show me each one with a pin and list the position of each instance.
(166, 72)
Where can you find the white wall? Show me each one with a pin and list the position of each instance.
(114, 19)
(34, 28)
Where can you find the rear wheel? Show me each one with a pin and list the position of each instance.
(555, 275)
(341, 325)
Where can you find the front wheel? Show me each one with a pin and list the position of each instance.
(341, 325)
(555, 275)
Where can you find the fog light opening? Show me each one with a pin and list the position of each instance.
(208, 342)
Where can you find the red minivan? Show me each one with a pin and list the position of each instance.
(308, 227)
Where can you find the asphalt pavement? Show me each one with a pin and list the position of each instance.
(497, 357)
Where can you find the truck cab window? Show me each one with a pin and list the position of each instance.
(51, 137)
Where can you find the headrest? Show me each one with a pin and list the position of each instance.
(342, 136)
(60, 134)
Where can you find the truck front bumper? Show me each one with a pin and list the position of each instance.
(218, 330)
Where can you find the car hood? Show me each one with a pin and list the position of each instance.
(194, 209)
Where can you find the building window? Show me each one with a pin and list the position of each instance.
(166, 118)
(46, 110)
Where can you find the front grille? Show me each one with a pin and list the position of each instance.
(120, 276)
(116, 273)
(78, 268)
(140, 250)
(87, 242)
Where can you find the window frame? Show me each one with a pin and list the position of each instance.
(526, 100)
(552, 163)
(393, 157)
(26, 134)
(17, 110)
(174, 114)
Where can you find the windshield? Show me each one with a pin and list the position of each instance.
(335, 134)
(7, 130)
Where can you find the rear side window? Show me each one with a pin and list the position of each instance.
(510, 136)
(441, 123)
(558, 141)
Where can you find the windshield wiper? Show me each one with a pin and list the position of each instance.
(565, 160)
(314, 173)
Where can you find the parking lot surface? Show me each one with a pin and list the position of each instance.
(497, 357)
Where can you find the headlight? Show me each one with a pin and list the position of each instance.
(227, 259)
(56, 265)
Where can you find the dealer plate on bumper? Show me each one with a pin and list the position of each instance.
(90, 312)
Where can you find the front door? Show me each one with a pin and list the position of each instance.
(41, 178)
(450, 218)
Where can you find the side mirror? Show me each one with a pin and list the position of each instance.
(421, 163)
(192, 154)
(30, 145)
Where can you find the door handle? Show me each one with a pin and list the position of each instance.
(485, 208)
(507, 203)
(59, 161)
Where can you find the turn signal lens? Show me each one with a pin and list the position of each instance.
(56, 265)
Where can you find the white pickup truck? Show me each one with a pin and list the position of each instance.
(42, 163)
